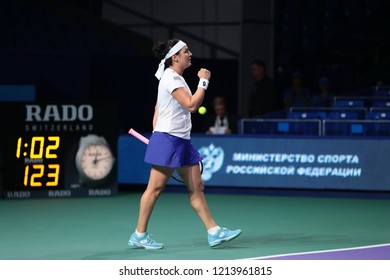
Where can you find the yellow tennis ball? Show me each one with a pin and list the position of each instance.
(202, 110)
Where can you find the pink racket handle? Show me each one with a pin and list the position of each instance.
(139, 136)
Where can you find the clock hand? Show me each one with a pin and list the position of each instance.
(96, 156)
(103, 158)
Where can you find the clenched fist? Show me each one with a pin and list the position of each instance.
(204, 74)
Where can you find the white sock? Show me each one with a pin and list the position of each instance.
(213, 230)
(139, 234)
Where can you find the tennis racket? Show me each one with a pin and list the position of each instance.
(145, 140)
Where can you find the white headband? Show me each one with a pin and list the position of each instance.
(161, 67)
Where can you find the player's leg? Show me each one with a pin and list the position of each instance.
(193, 180)
(157, 181)
(158, 178)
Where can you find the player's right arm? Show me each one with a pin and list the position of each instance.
(155, 116)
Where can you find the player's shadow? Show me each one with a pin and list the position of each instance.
(301, 238)
(252, 240)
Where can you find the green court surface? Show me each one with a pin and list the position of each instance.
(99, 228)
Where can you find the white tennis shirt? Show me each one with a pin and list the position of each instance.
(172, 118)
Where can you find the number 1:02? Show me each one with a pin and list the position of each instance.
(36, 147)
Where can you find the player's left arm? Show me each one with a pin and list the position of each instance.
(189, 101)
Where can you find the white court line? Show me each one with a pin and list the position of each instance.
(316, 252)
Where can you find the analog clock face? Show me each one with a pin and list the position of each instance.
(97, 161)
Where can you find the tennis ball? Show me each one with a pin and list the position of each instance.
(202, 110)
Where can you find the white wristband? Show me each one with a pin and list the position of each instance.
(203, 83)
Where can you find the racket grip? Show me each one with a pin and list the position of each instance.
(139, 136)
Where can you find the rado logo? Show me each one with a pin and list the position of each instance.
(63, 113)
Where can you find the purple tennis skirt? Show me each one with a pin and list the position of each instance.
(171, 151)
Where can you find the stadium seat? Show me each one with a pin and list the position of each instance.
(306, 115)
(343, 115)
(381, 103)
(349, 103)
(378, 116)
(281, 127)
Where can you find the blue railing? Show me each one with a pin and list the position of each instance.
(324, 127)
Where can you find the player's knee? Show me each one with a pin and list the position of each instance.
(155, 190)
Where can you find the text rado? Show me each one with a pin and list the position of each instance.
(62, 113)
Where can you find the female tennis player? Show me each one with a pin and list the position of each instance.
(170, 148)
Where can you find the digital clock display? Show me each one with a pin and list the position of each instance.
(39, 154)
(39, 147)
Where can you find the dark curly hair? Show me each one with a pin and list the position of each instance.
(160, 50)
